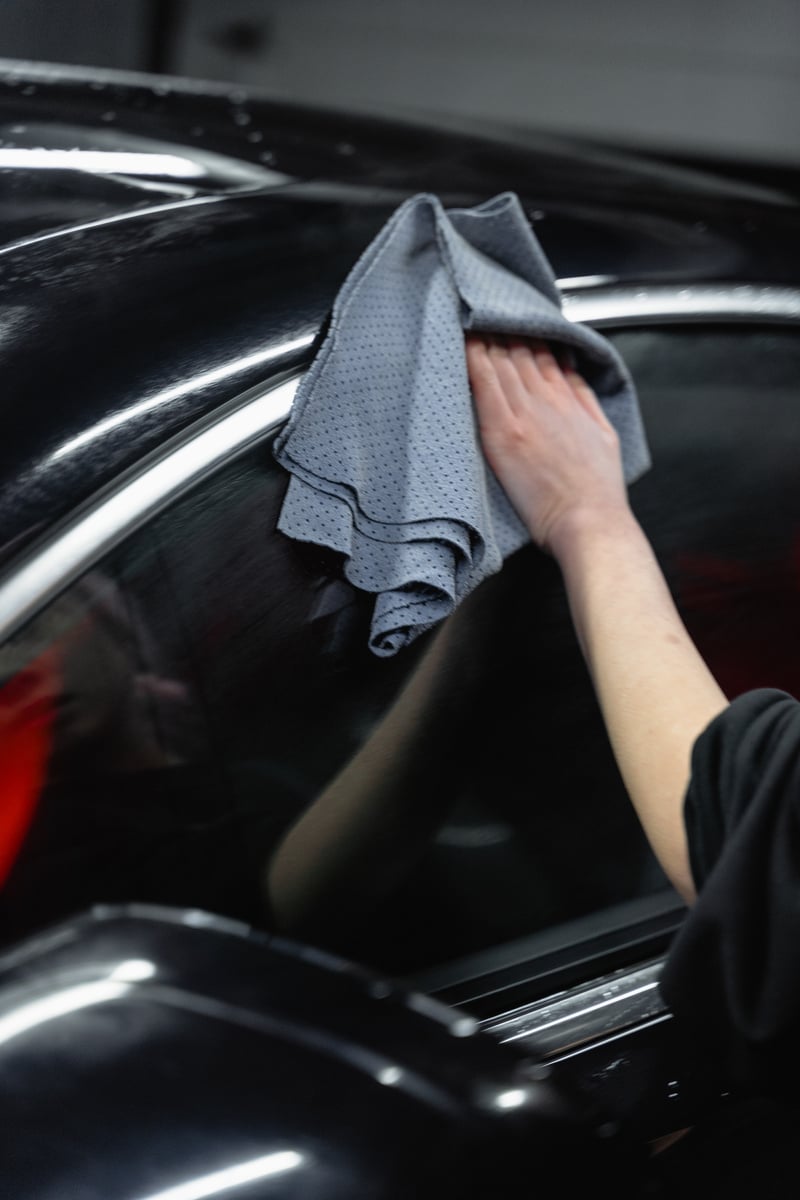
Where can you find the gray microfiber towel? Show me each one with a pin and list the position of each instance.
(382, 447)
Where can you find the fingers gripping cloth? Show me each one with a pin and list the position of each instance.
(382, 447)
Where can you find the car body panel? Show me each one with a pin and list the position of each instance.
(207, 1056)
(189, 291)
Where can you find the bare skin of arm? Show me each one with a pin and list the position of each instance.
(558, 458)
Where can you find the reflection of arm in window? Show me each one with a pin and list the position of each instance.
(367, 827)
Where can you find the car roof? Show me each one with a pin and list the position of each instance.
(161, 239)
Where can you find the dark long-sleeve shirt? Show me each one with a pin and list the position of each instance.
(732, 977)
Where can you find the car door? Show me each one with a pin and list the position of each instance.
(182, 682)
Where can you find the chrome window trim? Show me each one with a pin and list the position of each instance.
(79, 544)
(75, 546)
(560, 1024)
(609, 305)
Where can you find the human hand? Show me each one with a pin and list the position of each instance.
(546, 438)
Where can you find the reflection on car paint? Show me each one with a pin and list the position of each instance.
(28, 707)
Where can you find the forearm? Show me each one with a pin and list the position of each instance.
(654, 689)
(559, 459)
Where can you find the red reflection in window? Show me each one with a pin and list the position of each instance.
(743, 615)
(28, 704)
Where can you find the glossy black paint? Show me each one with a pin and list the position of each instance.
(142, 1049)
(128, 307)
(119, 297)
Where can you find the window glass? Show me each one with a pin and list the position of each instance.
(170, 722)
(722, 503)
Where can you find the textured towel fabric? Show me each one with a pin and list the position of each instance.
(381, 444)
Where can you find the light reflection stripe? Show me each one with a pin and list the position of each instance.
(231, 1177)
(130, 214)
(83, 541)
(102, 162)
(591, 1008)
(195, 384)
(59, 1004)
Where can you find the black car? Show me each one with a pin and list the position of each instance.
(180, 682)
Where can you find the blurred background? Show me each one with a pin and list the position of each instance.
(696, 78)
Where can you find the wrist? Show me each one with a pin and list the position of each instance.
(587, 527)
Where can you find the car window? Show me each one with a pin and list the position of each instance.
(722, 504)
(167, 721)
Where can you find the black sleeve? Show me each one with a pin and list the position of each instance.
(732, 976)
